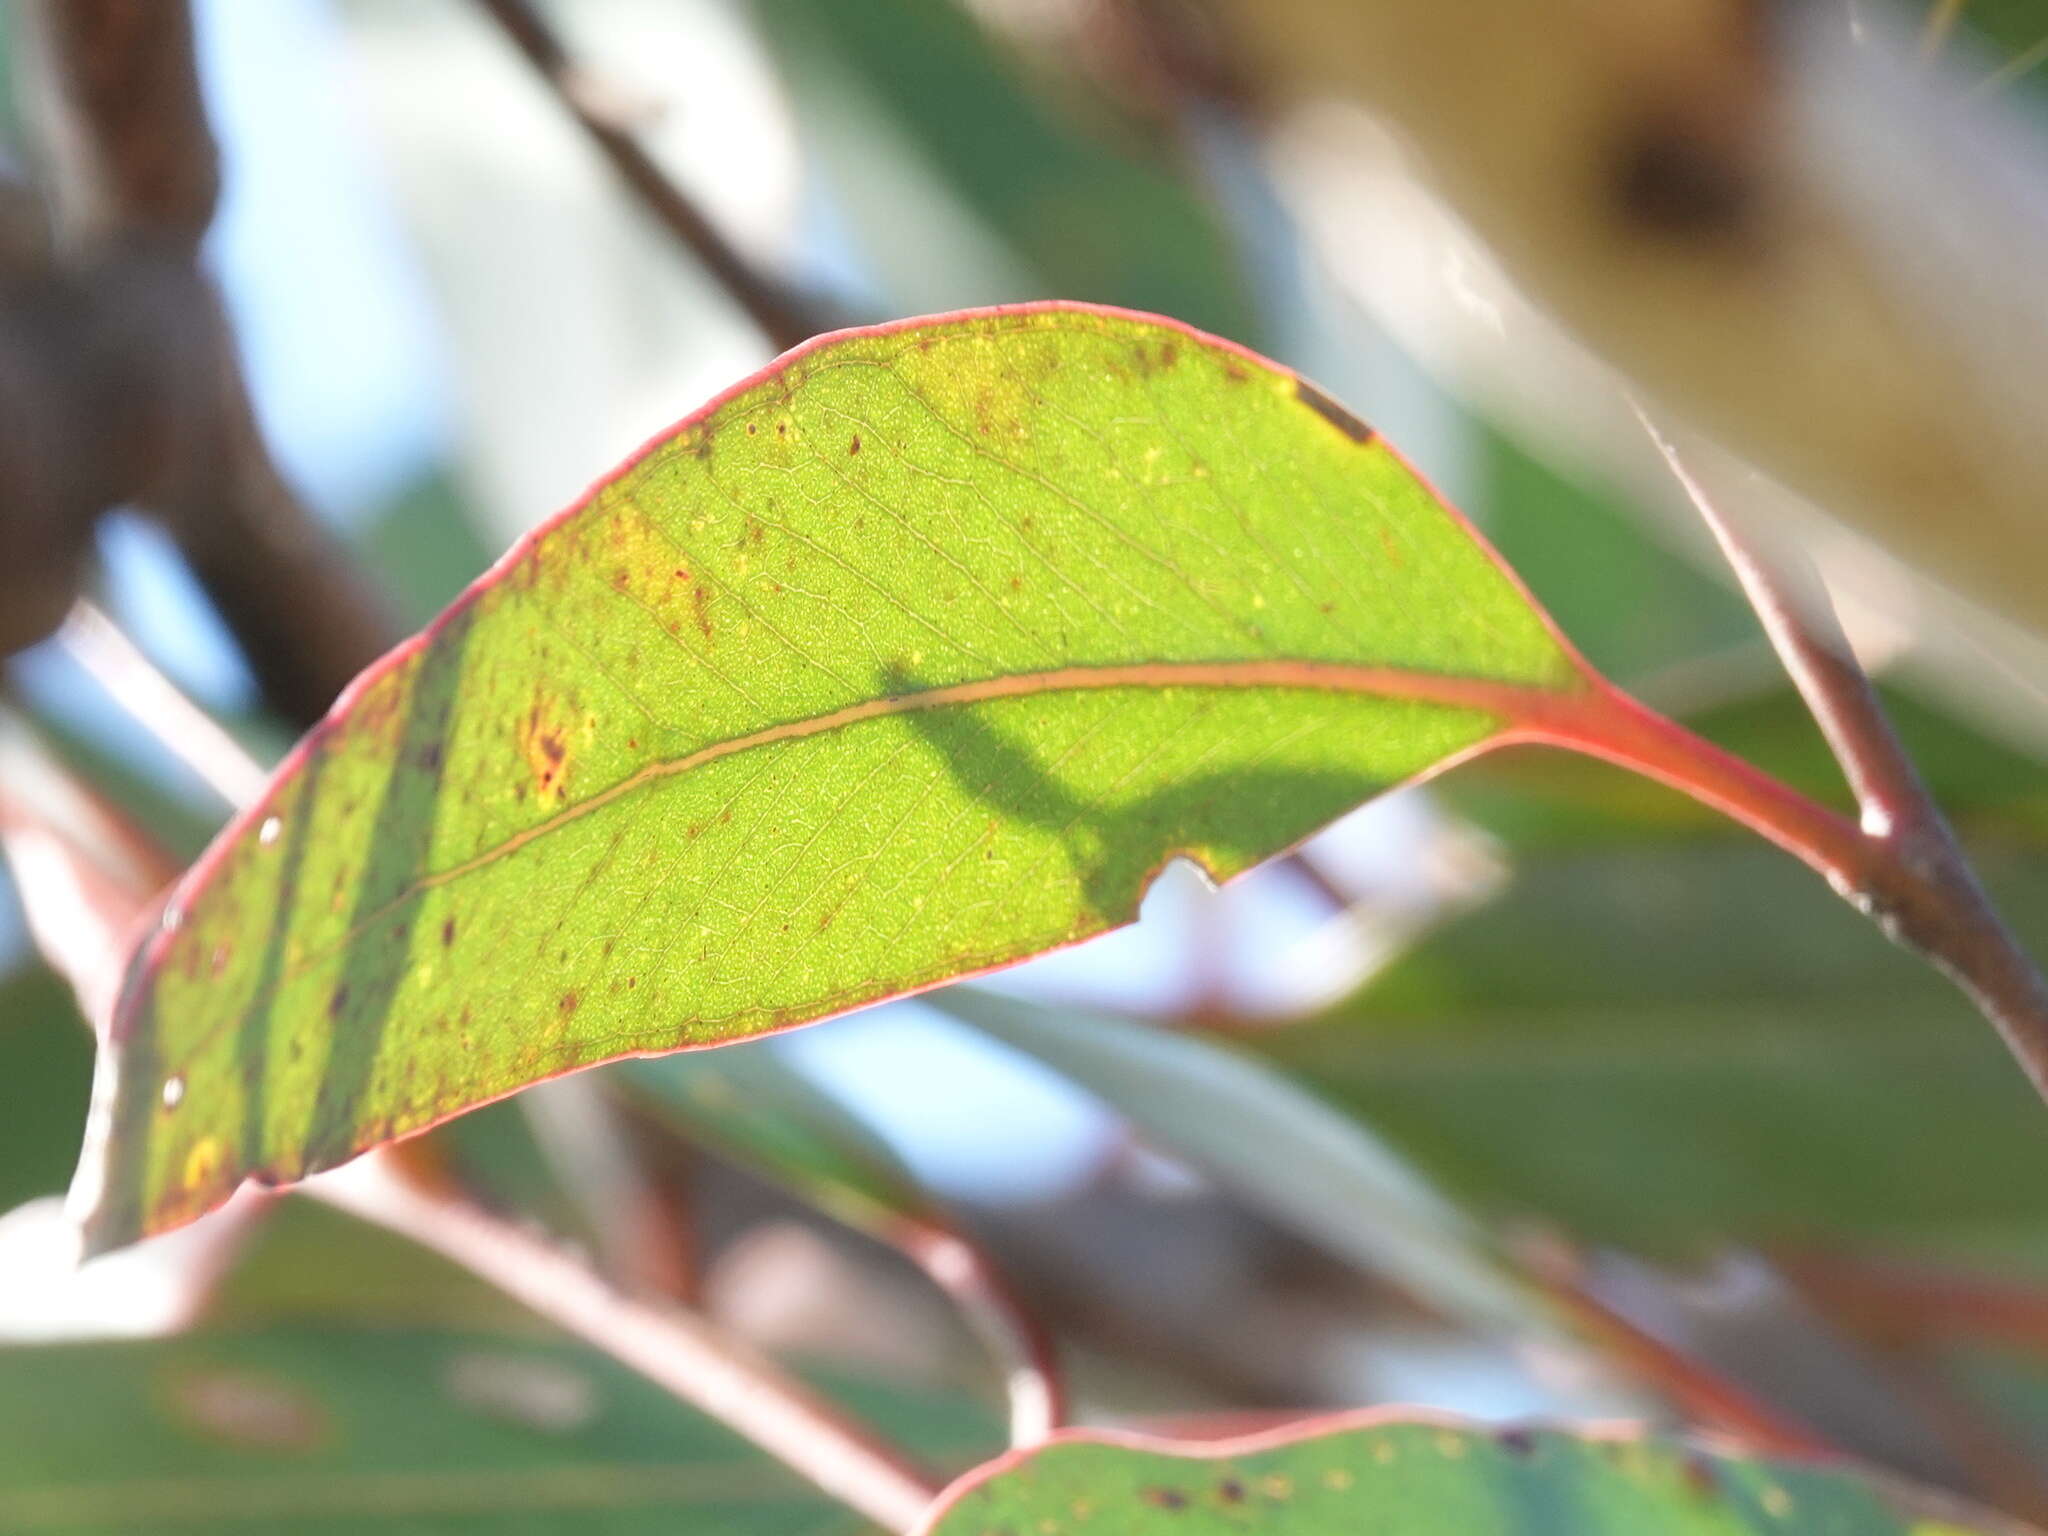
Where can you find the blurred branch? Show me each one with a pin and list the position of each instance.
(85, 873)
(161, 403)
(781, 314)
(133, 681)
(676, 1350)
(1917, 1302)
(1921, 889)
(1007, 1329)
(1695, 1388)
(643, 1239)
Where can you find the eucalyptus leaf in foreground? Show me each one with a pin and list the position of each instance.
(915, 655)
(1432, 1476)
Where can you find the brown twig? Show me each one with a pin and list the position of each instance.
(782, 315)
(672, 1348)
(135, 179)
(1920, 888)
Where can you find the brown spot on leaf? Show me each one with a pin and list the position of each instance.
(337, 1001)
(570, 1003)
(1335, 414)
(700, 600)
(544, 744)
(448, 933)
(1165, 1498)
(854, 446)
(1230, 1491)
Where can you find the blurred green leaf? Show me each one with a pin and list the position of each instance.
(1673, 1045)
(425, 547)
(305, 1263)
(338, 1431)
(1303, 1164)
(754, 1108)
(2011, 1388)
(1632, 604)
(45, 1078)
(1089, 218)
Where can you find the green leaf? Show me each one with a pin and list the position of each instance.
(758, 1111)
(46, 1066)
(1671, 1046)
(1083, 215)
(335, 1431)
(914, 656)
(1434, 1477)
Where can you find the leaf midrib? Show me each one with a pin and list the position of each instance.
(1514, 704)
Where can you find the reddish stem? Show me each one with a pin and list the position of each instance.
(1917, 883)
(1702, 1394)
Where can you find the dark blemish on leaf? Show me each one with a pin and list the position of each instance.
(1516, 1442)
(1235, 374)
(700, 445)
(1332, 412)
(448, 934)
(752, 429)
(1230, 1491)
(782, 429)
(1165, 1498)
(1016, 583)
(337, 1001)
(854, 446)
(701, 601)
(570, 1003)
(1669, 180)
(682, 574)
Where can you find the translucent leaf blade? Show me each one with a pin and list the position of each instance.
(915, 655)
